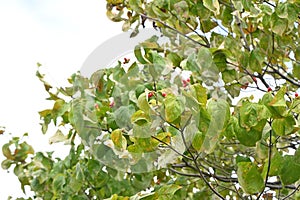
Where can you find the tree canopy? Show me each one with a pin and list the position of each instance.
(211, 112)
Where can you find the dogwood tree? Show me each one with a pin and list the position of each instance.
(211, 112)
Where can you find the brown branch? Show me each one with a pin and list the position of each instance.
(202, 174)
(276, 71)
(271, 185)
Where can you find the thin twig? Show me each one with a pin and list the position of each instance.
(289, 195)
(281, 75)
(198, 168)
(269, 164)
(271, 185)
(269, 3)
(174, 29)
(239, 24)
(191, 29)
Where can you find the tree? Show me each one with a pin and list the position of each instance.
(149, 132)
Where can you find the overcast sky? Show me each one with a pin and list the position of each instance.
(59, 34)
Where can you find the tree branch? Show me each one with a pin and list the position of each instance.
(202, 174)
(289, 195)
(271, 185)
(281, 75)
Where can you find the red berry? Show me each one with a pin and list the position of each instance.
(188, 80)
(269, 89)
(150, 94)
(296, 94)
(111, 104)
(164, 94)
(184, 83)
(244, 86)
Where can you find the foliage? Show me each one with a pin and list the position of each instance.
(149, 132)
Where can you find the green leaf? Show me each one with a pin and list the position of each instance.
(252, 113)
(204, 59)
(277, 163)
(198, 140)
(212, 5)
(139, 56)
(200, 93)
(136, 5)
(143, 103)
(140, 118)
(173, 108)
(249, 178)
(6, 164)
(58, 183)
(207, 25)
(166, 192)
(278, 25)
(118, 139)
(249, 137)
(126, 26)
(6, 151)
(279, 98)
(220, 60)
(256, 60)
(276, 111)
(123, 115)
(209, 71)
(174, 58)
(220, 114)
(290, 171)
(283, 126)
(297, 54)
(282, 10)
(296, 69)
(239, 159)
(57, 137)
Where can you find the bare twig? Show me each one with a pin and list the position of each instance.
(239, 24)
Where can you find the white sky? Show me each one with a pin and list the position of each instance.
(59, 34)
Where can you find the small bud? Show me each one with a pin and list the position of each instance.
(254, 79)
(96, 106)
(164, 94)
(111, 104)
(244, 86)
(296, 95)
(126, 60)
(269, 89)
